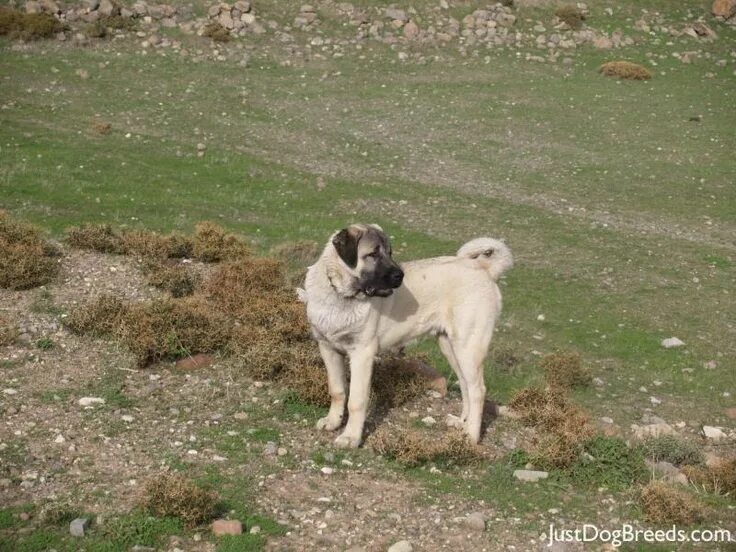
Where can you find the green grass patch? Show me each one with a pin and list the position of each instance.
(608, 462)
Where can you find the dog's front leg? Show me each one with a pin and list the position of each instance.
(361, 369)
(335, 364)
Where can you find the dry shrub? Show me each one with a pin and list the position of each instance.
(719, 478)
(8, 332)
(625, 70)
(155, 331)
(28, 26)
(297, 256)
(96, 237)
(101, 127)
(216, 32)
(173, 495)
(103, 317)
(305, 374)
(571, 15)
(504, 357)
(564, 427)
(174, 328)
(412, 447)
(212, 244)
(26, 259)
(396, 382)
(232, 284)
(174, 278)
(664, 504)
(565, 370)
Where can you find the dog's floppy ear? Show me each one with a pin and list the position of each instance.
(346, 244)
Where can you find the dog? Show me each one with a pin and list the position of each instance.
(360, 302)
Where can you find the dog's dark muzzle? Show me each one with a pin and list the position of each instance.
(385, 285)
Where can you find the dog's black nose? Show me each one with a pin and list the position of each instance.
(397, 276)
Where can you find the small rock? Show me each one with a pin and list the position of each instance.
(476, 521)
(255, 530)
(651, 430)
(227, 527)
(714, 433)
(24, 516)
(127, 418)
(396, 15)
(10, 391)
(91, 401)
(530, 475)
(429, 420)
(78, 527)
(401, 546)
(60, 439)
(411, 30)
(731, 413)
(270, 449)
(710, 365)
(282, 451)
(327, 470)
(671, 342)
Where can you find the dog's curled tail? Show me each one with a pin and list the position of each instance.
(493, 255)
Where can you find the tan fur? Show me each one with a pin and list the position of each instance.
(454, 298)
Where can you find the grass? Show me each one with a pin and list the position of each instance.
(609, 462)
(625, 70)
(672, 449)
(411, 447)
(612, 200)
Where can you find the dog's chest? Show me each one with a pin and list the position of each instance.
(338, 323)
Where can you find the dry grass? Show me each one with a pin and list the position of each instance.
(565, 370)
(171, 277)
(216, 32)
(174, 495)
(412, 447)
(233, 282)
(395, 381)
(8, 332)
(564, 428)
(95, 237)
(28, 26)
(297, 256)
(101, 127)
(571, 15)
(719, 479)
(664, 504)
(159, 330)
(212, 244)
(26, 259)
(625, 70)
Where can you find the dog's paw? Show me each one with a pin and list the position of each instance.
(454, 421)
(347, 441)
(328, 424)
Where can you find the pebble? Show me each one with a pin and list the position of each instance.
(401, 546)
(10, 391)
(476, 521)
(78, 527)
(127, 418)
(255, 530)
(91, 401)
(59, 439)
(530, 475)
(270, 449)
(429, 420)
(227, 527)
(327, 470)
(671, 342)
(714, 433)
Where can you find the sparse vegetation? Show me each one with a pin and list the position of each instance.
(8, 332)
(212, 244)
(26, 259)
(719, 478)
(173, 495)
(625, 70)
(28, 26)
(609, 462)
(95, 237)
(45, 343)
(171, 277)
(563, 428)
(571, 15)
(565, 370)
(672, 449)
(412, 447)
(665, 504)
(216, 32)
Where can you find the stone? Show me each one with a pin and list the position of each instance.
(714, 433)
(401, 546)
(242, 5)
(429, 421)
(476, 521)
(108, 8)
(731, 413)
(652, 430)
(78, 527)
(724, 8)
(227, 527)
(603, 43)
(671, 342)
(200, 360)
(530, 475)
(255, 530)
(396, 15)
(411, 30)
(214, 11)
(327, 470)
(90, 401)
(33, 7)
(270, 449)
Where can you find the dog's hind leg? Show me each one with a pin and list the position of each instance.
(335, 364)
(446, 348)
(470, 353)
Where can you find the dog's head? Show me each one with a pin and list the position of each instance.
(365, 253)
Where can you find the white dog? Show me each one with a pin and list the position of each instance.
(360, 303)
